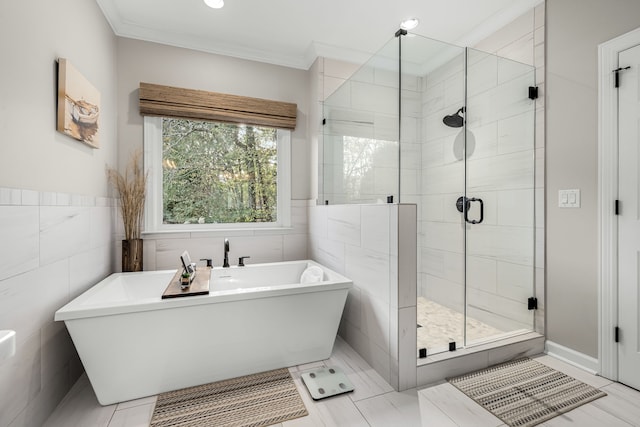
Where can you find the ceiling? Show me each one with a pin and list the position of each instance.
(293, 33)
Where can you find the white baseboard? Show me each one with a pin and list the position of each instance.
(575, 358)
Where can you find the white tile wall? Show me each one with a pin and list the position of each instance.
(379, 262)
(369, 267)
(55, 246)
(19, 230)
(64, 231)
(162, 250)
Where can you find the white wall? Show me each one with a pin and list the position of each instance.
(140, 61)
(574, 30)
(33, 34)
(56, 219)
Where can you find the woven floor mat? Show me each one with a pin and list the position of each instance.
(253, 400)
(524, 393)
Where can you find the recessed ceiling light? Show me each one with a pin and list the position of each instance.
(409, 24)
(215, 4)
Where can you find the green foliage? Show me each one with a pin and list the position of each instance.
(218, 172)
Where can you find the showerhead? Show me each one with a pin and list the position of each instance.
(454, 120)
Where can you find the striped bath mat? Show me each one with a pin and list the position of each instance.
(524, 393)
(253, 400)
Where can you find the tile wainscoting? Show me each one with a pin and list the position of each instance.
(54, 247)
(162, 250)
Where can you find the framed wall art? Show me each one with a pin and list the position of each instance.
(78, 105)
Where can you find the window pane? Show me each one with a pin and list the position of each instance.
(218, 172)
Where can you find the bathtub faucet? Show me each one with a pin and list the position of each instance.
(226, 253)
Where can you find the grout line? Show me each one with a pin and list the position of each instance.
(112, 415)
(364, 417)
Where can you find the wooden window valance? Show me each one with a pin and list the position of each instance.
(167, 101)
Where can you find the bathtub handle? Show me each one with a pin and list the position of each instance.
(241, 260)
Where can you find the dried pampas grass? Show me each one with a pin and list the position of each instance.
(131, 189)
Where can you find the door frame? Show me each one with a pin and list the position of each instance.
(607, 194)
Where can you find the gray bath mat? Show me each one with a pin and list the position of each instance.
(254, 400)
(326, 382)
(524, 392)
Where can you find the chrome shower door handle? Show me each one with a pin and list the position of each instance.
(466, 211)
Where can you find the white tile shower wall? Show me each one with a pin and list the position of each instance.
(373, 245)
(500, 266)
(162, 250)
(57, 246)
(442, 179)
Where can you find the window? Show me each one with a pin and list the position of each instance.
(212, 175)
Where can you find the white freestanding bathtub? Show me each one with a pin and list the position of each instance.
(133, 344)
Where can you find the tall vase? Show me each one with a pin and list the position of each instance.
(132, 255)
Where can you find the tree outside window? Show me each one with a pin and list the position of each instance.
(218, 173)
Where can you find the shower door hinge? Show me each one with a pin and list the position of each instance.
(532, 303)
(324, 122)
(401, 32)
(617, 207)
(616, 78)
(533, 92)
(616, 334)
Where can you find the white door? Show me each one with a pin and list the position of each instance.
(629, 218)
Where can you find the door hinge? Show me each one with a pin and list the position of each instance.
(532, 303)
(616, 79)
(533, 92)
(617, 207)
(616, 334)
(324, 122)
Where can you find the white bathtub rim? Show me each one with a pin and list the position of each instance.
(73, 310)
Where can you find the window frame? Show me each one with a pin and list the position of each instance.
(153, 212)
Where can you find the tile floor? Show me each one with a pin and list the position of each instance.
(373, 403)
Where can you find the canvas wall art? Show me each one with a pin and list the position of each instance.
(78, 105)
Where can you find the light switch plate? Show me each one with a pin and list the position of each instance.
(569, 198)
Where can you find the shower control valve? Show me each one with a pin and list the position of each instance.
(460, 204)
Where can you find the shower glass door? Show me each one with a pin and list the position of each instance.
(433, 170)
(467, 161)
(500, 193)
(450, 129)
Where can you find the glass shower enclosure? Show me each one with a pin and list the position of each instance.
(450, 129)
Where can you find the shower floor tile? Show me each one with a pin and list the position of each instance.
(441, 325)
